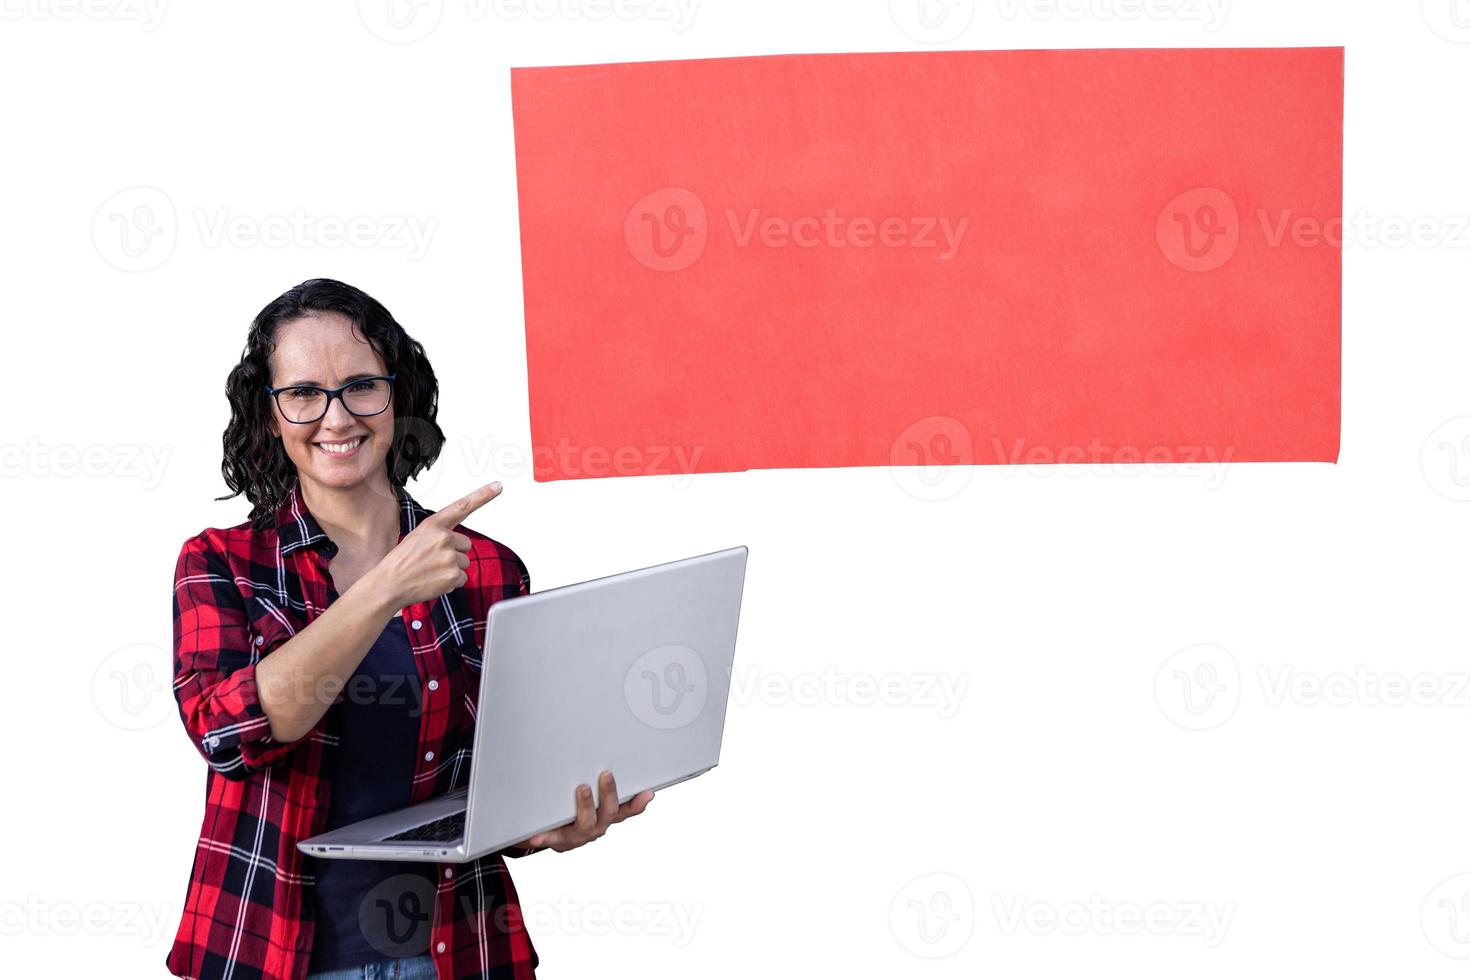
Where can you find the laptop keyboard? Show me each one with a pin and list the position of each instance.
(446, 829)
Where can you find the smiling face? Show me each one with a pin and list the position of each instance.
(340, 450)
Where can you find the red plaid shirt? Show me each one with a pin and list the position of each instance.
(239, 594)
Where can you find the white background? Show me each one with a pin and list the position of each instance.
(1018, 830)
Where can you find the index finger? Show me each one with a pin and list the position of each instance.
(456, 512)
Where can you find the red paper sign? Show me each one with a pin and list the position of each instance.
(937, 257)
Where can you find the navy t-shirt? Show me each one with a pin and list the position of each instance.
(373, 910)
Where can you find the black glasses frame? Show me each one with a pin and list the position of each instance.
(332, 393)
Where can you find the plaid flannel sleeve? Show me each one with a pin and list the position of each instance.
(214, 666)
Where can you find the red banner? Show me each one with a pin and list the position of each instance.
(929, 258)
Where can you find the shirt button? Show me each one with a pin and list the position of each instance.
(259, 640)
(428, 756)
(416, 624)
(449, 872)
(439, 948)
(433, 685)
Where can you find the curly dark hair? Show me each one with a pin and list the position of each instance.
(255, 462)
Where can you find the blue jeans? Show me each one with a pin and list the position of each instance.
(410, 968)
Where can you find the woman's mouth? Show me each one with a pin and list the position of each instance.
(340, 450)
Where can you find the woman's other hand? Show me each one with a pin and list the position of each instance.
(592, 820)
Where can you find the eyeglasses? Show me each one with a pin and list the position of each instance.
(308, 403)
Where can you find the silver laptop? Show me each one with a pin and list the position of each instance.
(629, 673)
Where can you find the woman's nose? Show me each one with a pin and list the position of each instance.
(337, 416)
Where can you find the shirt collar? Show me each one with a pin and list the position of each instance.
(451, 613)
(297, 528)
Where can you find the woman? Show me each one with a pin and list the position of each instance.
(326, 662)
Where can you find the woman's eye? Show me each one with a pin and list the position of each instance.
(362, 386)
(301, 394)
